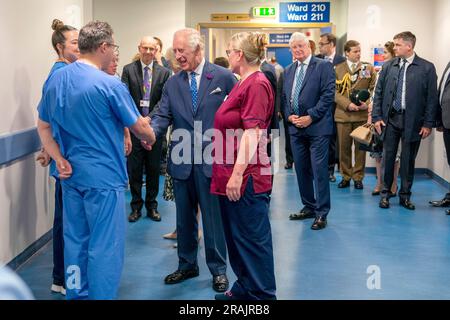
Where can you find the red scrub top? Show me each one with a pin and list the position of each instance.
(249, 104)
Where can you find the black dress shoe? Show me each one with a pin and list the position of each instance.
(384, 203)
(154, 215)
(134, 216)
(288, 166)
(407, 204)
(220, 283)
(181, 275)
(359, 185)
(447, 212)
(332, 178)
(305, 213)
(319, 223)
(441, 203)
(344, 184)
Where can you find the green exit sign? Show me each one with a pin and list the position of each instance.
(264, 12)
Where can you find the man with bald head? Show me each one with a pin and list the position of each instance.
(189, 102)
(145, 79)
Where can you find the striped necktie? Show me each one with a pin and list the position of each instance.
(299, 76)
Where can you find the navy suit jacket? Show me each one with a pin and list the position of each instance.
(421, 95)
(338, 59)
(175, 108)
(316, 97)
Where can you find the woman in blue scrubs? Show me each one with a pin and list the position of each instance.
(65, 43)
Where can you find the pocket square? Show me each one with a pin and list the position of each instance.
(216, 90)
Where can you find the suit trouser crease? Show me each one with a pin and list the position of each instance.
(189, 194)
(311, 166)
(249, 241)
(394, 135)
(347, 169)
(94, 241)
(141, 160)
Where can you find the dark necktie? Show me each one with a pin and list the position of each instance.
(399, 92)
(194, 91)
(300, 74)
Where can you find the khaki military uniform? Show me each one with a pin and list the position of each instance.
(363, 77)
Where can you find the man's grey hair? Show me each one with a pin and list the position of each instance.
(195, 39)
(93, 34)
(298, 36)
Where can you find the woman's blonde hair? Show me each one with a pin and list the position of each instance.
(252, 44)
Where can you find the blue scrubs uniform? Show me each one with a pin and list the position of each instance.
(58, 241)
(88, 110)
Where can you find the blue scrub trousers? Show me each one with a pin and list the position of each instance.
(249, 241)
(58, 240)
(94, 237)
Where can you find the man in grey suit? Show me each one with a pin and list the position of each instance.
(443, 124)
(145, 79)
(189, 102)
(405, 104)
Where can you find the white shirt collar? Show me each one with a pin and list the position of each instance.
(306, 62)
(150, 66)
(199, 69)
(331, 56)
(350, 64)
(411, 59)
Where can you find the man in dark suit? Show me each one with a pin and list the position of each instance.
(405, 103)
(327, 48)
(443, 124)
(145, 80)
(307, 100)
(189, 102)
(269, 72)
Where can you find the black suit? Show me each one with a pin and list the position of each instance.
(141, 159)
(421, 101)
(269, 72)
(333, 155)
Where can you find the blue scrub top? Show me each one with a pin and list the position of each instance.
(58, 65)
(88, 110)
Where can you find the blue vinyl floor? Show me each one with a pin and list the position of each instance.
(409, 249)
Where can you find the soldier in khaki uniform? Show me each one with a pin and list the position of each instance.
(351, 75)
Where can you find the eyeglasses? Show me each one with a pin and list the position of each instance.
(116, 47)
(228, 52)
(321, 44)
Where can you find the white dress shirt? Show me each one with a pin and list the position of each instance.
(408, 63)
(198, 73)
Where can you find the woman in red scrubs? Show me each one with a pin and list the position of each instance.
(242, 173)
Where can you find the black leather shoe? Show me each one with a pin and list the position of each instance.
(447, 212)
(359, 185)
(319, 223)
(154, 215)
(181, 275)
(441, 203)
(332, 178)
(134, 216)
(305, 213)
(384, 203)
(407, 204)
(288, 166)
(344, 184)
(220, 283)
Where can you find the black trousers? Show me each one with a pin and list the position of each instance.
(287, 141)
(141, 160)
(447, 149)
(394, 134)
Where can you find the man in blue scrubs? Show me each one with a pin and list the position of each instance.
(86, 111)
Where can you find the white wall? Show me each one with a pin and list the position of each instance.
(26, 57)
(373, 24)
(131, 20)
(437, 161)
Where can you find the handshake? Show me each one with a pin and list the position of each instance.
(147, 135)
